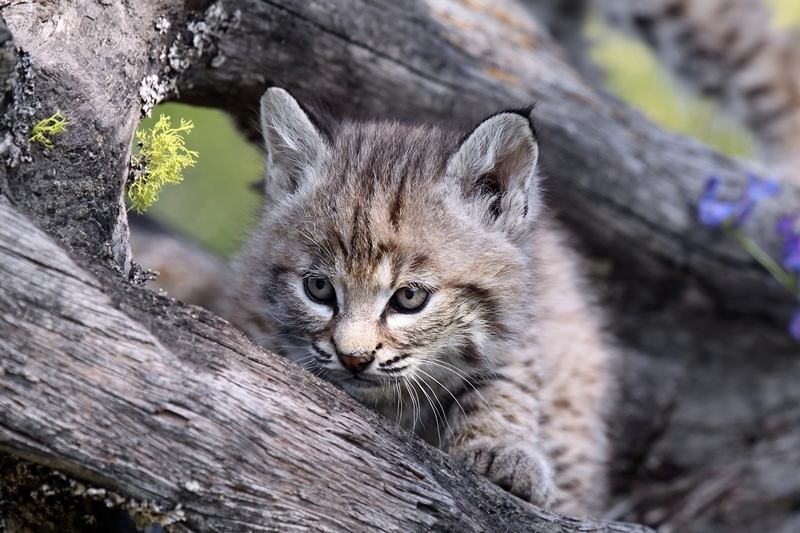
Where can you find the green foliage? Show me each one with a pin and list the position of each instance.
(161, 159)
(634, 72)
(42, 131)
(785, 14)
(217, 203)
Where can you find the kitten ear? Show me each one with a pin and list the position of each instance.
(294, 145)
(496, 169)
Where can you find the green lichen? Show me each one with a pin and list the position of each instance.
(161, 159)
(42, 131)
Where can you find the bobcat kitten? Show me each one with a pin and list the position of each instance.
(412, 267)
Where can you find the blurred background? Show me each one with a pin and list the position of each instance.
(217, 203)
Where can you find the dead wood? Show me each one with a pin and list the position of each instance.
(627, 186)
(119, 388)
(172, 415)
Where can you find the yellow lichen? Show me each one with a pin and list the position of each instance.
(42, 131)
(161, 159)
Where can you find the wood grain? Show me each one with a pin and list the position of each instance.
(683, 295)
(626, 185)
(165, 402)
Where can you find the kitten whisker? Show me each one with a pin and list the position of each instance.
(454, 399)
(400, 402)
(430, 402)
(309, 358)
(415, 407)
(467, 380)
(439, 403)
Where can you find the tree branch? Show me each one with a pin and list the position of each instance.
(115, 385)
(624, 184)
(166, 403)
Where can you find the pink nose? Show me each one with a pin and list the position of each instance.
(355, 364)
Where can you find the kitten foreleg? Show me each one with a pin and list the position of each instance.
(489, 437)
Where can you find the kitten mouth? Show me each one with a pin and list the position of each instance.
(361, 379)
(361, 382)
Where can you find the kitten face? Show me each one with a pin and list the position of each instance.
(383, 263)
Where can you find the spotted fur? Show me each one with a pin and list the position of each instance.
(502, 366)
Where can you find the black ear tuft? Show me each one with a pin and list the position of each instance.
(321, 117)
(525, 112)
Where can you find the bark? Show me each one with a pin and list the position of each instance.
(565, 21)
(160, 402)
(624, 184)
(185, 421)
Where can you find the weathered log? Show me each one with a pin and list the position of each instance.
(75, 191)
(187, 421)
(625, 186)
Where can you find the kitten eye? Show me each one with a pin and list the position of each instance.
(409, 299)
(320, 290)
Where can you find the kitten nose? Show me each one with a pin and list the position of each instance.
(355, 364)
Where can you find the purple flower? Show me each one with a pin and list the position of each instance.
(794, 326)
(756, 190)
(787, 228)
(713, 212)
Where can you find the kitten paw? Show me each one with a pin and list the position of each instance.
(515, 467)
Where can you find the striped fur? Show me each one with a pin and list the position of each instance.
(503, 367)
